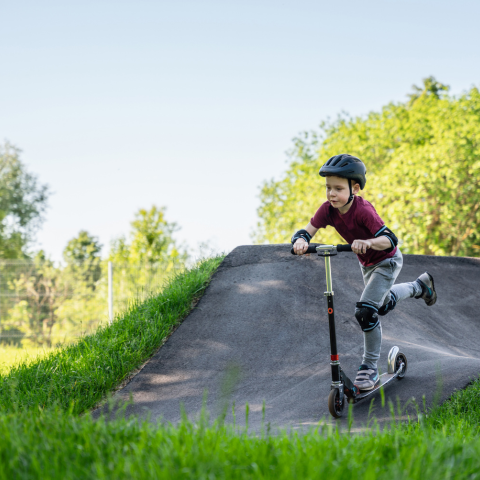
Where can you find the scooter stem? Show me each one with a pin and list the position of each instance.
(328, 273)
(327, 251)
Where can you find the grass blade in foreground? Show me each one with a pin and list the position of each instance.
(80, 375)
(55, 444)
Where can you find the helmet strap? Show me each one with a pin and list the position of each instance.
(350, 198)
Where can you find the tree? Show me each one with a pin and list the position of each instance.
(50, 299)
(22, 202)
(430, 87)
(82, 255)
(147, 257)
(82, 248)
(43, 289)
(85, 274)
(151, 240)
(423, 173)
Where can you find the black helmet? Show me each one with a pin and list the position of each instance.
(346, 166)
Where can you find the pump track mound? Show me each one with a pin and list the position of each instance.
(259, 335)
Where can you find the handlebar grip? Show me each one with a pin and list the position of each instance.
(344, 248)
(310, 249)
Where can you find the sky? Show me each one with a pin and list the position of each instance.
(191, 105)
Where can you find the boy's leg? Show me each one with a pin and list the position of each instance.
(372, 344)
(423, 287)
(379, 280)
(406, 290)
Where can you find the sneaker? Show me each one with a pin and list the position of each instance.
(428, 289)
(367, 377)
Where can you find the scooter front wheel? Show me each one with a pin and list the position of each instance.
(335, 406)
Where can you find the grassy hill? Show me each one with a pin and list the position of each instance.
(46, 433)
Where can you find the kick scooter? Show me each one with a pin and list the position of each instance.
(343, 390)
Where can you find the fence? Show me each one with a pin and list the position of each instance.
(43, 304)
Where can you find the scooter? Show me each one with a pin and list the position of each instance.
(342, 389)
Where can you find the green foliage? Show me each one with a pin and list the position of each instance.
(39, 288)
(147, 256)
(430, 88)
(79, 375)
(82, 255)
(423, 171)
(22, 202)
(83, 248)
(48, 305)
(151, 240)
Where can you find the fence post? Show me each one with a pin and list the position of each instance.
(110, 292)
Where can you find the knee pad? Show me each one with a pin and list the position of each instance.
(367, 316)
(388, 307)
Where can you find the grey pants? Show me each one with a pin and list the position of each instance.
(379, 285)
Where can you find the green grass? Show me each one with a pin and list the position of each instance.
(59, 445)
(462, 408)
(43, 436)
(78, 376)
(11, 356)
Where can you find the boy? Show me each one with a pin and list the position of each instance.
(359, 224)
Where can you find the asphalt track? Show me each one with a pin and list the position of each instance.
(260, 335)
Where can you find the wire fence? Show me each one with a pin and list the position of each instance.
(43, 304)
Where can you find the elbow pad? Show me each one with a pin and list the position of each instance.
(386, 232)
(301, 234)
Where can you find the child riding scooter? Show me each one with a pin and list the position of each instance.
(376, 246)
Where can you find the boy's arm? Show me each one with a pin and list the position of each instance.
(300, 245)
(378, 243)
(383, 237)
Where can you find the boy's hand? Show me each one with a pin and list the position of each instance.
(300, 246)
(361, 246)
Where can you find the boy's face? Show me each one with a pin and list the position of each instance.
(338, 191)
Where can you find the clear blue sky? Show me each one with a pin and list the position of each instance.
(119, 105)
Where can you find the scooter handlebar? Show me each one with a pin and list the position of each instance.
(313, 249)
(310, 249)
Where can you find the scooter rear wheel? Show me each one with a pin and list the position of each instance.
(334, 405)
(401, 358)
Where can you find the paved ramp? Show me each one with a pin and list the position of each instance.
(260, 334)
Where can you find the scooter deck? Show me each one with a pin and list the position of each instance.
(384, 379)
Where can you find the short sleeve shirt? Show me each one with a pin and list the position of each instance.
(361, 222)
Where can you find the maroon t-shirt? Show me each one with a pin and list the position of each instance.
(361, 222)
